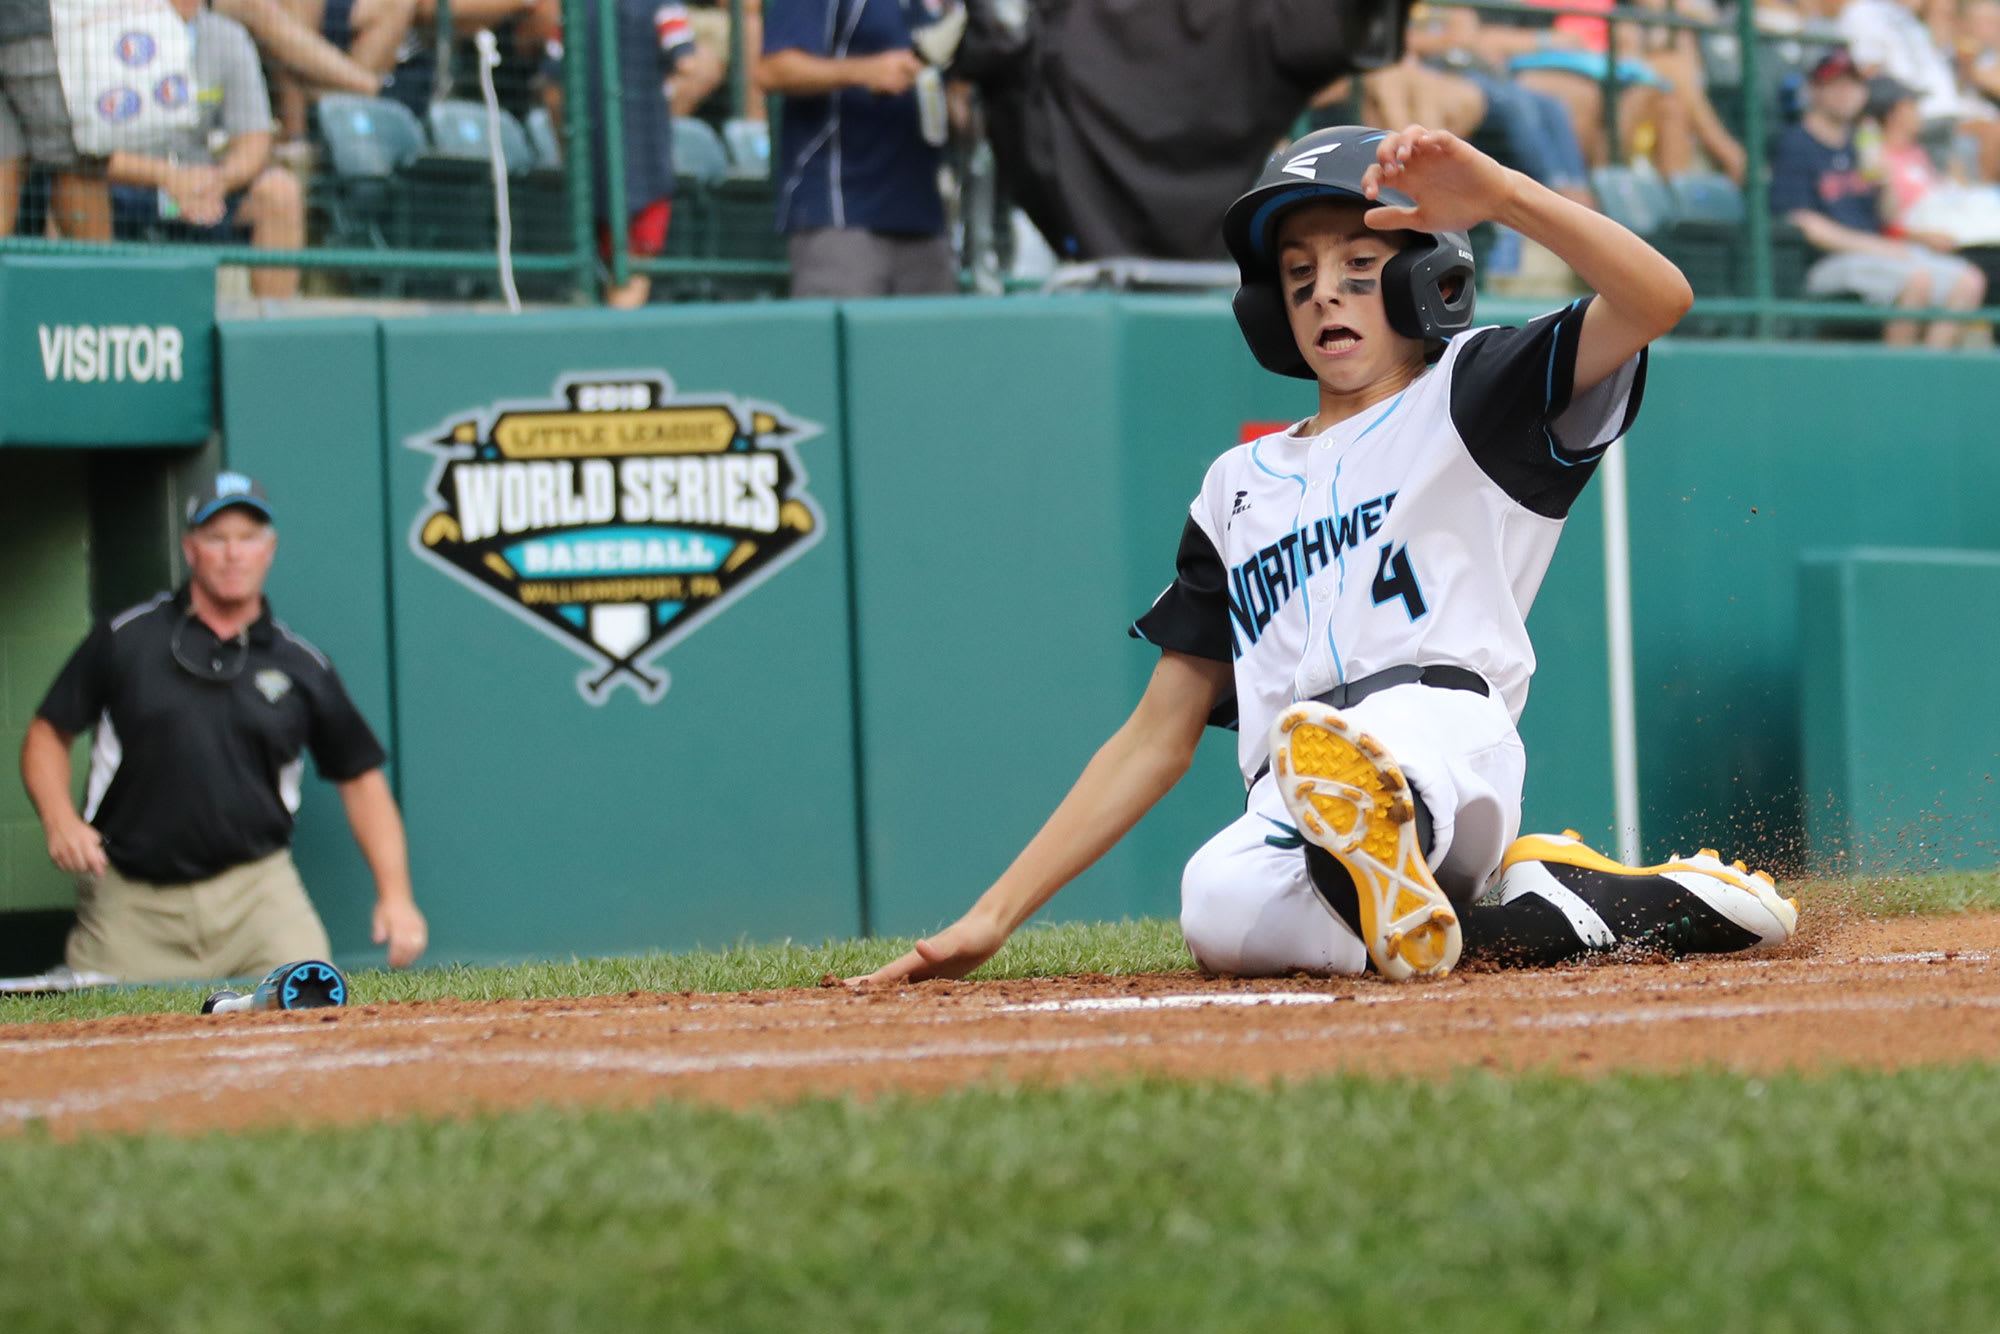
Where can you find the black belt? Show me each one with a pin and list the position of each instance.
(1349, 693)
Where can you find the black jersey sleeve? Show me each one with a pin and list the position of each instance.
(1513, 405)
(83, 687)
(343, 745)
(1192, 616)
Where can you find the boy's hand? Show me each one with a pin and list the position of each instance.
(1454, 184)
(952, 952)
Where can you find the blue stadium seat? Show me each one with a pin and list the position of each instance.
(749, 144)
(1634, 196)
(1707, 197)
(459, 130)
(368, 136)
(541, 128)
(362, 200)
(698, 151)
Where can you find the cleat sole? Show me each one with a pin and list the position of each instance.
(1350, 799)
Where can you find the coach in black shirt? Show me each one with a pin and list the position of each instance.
(203, 703)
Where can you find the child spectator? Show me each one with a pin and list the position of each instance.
(1817, 185)
(1921, 203)
(652, 41)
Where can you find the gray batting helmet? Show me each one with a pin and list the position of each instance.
(1418, 291)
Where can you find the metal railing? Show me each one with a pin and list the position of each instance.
(711, 253)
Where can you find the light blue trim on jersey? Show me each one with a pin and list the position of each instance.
(1556, 451)
(1265, 468)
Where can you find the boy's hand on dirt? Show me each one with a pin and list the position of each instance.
(1455, 186)
(952, 953)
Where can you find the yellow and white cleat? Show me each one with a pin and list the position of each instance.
(1346, 795)
(1686, 905)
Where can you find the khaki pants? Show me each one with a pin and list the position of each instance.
(242, 923)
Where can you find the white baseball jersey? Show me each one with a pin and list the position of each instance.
(1415, 532)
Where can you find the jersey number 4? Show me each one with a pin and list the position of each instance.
(1395, 579)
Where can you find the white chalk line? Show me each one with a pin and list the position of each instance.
(285, 1061)
(1188, 1001)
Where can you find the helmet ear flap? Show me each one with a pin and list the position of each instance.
(1399, 291)
(1260, 313)
(1413, 288)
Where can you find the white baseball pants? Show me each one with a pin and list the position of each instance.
(1248, 907)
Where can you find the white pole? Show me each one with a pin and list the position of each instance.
(1618, 626)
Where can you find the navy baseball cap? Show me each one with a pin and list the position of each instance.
(224, 490)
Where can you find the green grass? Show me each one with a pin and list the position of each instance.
(1701, 1202)
(1147, 946)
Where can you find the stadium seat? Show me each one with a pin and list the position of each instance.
(541, 128)
(459, 130)
(1635, 196)
(749, 144)
(1704, 234)
(698, 151)
(1707, 197)
(368, 136)
(362, 201)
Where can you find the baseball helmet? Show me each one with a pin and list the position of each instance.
(1418, 289)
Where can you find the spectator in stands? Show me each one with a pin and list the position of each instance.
(1978, 48)
(35, 127)
(370, 32)
(857, 179)
(1411, 92)
(1817, 185)
(291, 45)
(702, 87)
(194, 191)
(1921, 203)
(653, 43)
(1663, 112)
(415, 82)
(1535, 127)
(1888, 37)
(203, 705)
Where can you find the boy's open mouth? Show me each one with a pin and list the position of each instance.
(1337, 338)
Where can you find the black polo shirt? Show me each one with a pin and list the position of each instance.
(190, 774)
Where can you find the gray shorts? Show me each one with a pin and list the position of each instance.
(34, 119)
(1880, 279)
(853, 261)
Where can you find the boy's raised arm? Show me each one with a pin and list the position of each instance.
(1640, 294)
(1143, 759)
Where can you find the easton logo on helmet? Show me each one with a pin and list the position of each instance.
(1302, 165)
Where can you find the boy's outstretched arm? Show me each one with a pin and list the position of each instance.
(1129, 773)
(1640, 294)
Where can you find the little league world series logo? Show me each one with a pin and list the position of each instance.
(618, 516)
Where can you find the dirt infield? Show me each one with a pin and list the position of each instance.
(1870, 993)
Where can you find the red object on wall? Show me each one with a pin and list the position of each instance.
(1251, 430)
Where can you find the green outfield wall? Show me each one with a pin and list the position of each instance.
(705, 623)
(1901, 744)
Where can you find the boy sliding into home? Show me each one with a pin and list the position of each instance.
(1352, 595)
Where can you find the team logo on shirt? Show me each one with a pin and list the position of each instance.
(272, 684)
(136, 48)
(617, 517)
(116, 104)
